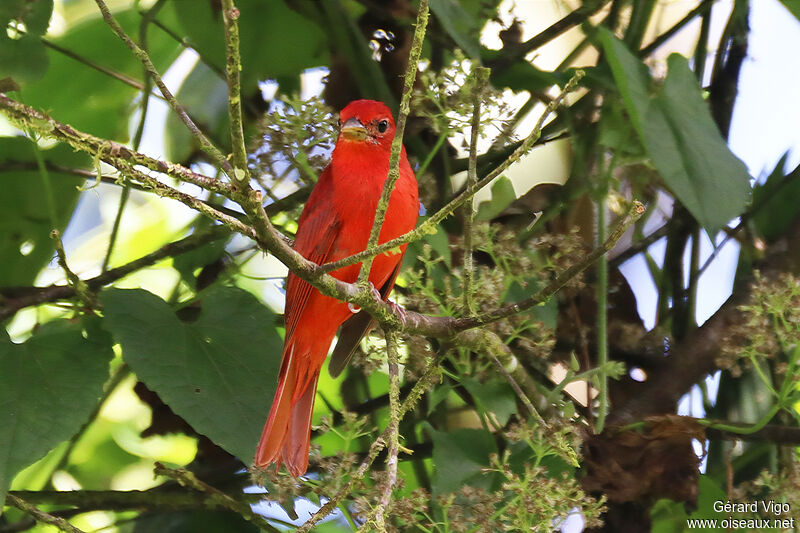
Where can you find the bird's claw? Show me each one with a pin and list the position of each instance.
(397, 309)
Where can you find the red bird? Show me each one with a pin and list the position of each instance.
(335, 224)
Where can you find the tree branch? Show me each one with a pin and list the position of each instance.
(233, 66)
(216, 156)
(40, 515)
(397, 141)
(214, 496)
(102, 149)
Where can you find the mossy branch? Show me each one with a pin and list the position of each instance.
(41, 516)
(233, 67)
(214, 496)
(30, 119)
(397, 142)
(213, 152)
(480, 79)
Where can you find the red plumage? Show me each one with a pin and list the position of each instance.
(335, 224)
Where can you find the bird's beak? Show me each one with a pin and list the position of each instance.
(353, 129)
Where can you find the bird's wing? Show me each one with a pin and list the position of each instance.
(318, 228)
(354, 329)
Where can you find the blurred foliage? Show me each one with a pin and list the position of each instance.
(178, 359)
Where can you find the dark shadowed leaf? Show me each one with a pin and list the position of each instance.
(49, 386)
(195, 521)
(461, 26)
(218, 373)
(22, 54)
(681, 137)
(459, 457)
(493, 396)
(25, 243)
(777, 201)
(263, 26)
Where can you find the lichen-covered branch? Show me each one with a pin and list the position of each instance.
(213, 152)
(29, 118)
(393, 429)
(481, 78)
(41, 516)
(397, 142)
(215, 497)
(233, 66)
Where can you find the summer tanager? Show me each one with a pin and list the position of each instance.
(335, 224)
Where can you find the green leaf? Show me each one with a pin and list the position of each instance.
(218, 373)
(25, 243)
(92, 101)
(521, 75)
(24, 60)
(681, 137)
(49, 386)
(23, 56)
(502, 196)
(459, 458)
(494, 396)
(265, 28)
(776, 201)
(461, 26)
(205, 97)
(793, 6)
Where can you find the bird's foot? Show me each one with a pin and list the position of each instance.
(399, 311)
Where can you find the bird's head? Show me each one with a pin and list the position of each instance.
(366, 121)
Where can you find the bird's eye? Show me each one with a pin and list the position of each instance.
(383, 125)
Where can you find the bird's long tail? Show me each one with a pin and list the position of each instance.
(286, 435)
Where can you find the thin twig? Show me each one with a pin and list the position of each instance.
(13, 299)
(41, 516)
(429, 226)
(423, 384)
(233, 64)
(394, 422)
(216, 156)
(29, 118)
(73, 280)
(397, 142)
(481, 78)
(189, 480)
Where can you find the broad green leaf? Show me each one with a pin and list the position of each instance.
(681, 137)
(457, 22)
(459, 458)
(521, 75)
(22, 54)
(24, 60)
(502, 196)
(494, 396)
(77, 94)
(777, 201)
(25, 243)
(547, 313)
(49, 386)
(218, 373)
(265, 28)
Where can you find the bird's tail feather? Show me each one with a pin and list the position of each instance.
(286, 434)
